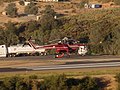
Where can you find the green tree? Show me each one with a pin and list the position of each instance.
(11, 10)
(88, 83)
(11, 26)
(10, 38)
(32, 26)
(55, 83)
(38, 35)
(31, 9)
(49, 11)
(54, 34)
(2, 38)
(10, 83)
(48, 22)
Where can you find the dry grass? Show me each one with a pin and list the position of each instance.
(69, 72)
(25, 63)
(66, 8)
(105, 75)
(37, 62)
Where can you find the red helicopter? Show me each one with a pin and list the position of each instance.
(64, 46)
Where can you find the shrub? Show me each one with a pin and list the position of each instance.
(11, 10)
(57, 82)
(88, 83)
(31, 9)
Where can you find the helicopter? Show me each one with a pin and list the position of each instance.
(63, 47)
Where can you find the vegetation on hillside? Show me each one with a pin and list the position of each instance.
(31, 9)
(99, 27)
(118, 80)
(57, 82)
(11, 10)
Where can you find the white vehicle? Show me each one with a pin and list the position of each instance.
(24, 49)
(3, 51)
(82, 50)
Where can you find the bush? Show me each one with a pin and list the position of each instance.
(49, 10)
(16, 83)
(57, 82)
(88, 83)
(11, 10)
(31, 9)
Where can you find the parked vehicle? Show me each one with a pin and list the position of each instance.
(65, 46)
(20, 49)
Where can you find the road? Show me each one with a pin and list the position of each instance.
(72, 66)
(78, 62)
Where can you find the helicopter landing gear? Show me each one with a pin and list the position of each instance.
(59, 55)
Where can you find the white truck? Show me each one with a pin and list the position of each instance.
(82, 50)
(20, 49)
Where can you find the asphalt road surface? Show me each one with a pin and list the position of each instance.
(73, 66)
(93, 62)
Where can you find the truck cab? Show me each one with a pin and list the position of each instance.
(3, 51)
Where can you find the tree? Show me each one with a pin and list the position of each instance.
(88, 83)
(31, 9)
(10, 38)
(11, 26)
(55, 34)
(2, 41)
(32, 26)
(38, 35)
(49, 11)
(57, 82)
(48, 22)
(11, 10)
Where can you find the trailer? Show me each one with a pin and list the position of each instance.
(20, 49)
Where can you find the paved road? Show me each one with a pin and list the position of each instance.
(72, 66)
(91, 62)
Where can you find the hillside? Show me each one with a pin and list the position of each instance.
(62, 8)
(99, 26)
